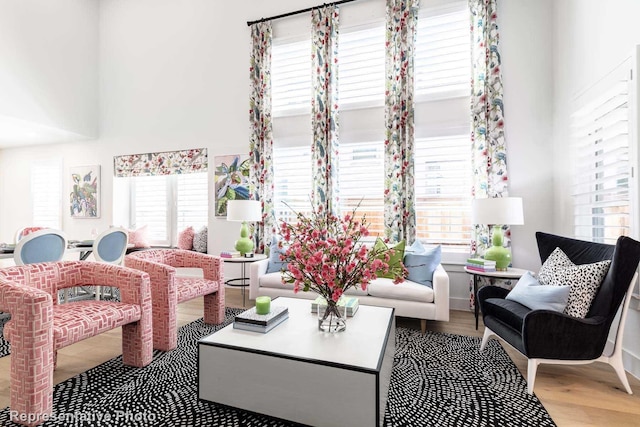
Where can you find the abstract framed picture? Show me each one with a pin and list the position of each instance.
(231, 180)
(84, 198)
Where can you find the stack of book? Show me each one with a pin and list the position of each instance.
(229, 254)
(251, 321)
(481, 264)
(350, 303)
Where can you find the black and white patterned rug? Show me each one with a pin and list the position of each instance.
(5, 347)
(437, 380)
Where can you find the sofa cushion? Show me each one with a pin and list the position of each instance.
(421, 266)
(273, 280)
(510, 312)
(584, 279)
(407, 290)
(275, 264)
(394, 259)
(531, 293)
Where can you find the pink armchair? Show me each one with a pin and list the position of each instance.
(39, 326)
(168, 290)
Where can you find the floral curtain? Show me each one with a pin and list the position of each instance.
(488, 147)
(261, 138)
(166, 163)
(399, 197)
(324, 108)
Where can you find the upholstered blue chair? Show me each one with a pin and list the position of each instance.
(110, 247)
(46, 245)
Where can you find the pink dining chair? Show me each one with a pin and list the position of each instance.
(39, 326)
(168, 289)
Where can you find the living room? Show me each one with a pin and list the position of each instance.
(110, 77)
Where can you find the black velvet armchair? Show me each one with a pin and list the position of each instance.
(546, 336)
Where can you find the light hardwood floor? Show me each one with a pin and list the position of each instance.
(588, 395)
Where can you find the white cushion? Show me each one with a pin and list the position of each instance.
(274, 280)
(407, 290)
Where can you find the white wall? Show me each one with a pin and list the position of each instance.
(591, 37)
(49, 60)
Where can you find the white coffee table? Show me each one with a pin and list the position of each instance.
(298, 373)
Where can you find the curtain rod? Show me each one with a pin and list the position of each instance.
(297, 12)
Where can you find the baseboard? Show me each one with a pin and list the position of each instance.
(459, 304)
(631, 363)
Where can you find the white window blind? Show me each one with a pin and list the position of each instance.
(601, 149)
(290, 78)
(361, 178)
(46, 193)
(442, 188)
(292, 182)
(168, 204)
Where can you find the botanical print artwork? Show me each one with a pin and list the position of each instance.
(85, 191)
(232, 180)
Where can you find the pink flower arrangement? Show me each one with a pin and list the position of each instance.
(325, 255)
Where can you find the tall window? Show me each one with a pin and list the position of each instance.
(442, 154)
(167, 204)
(46, 193)
(602, 191)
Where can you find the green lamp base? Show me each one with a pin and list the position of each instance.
(244, 244)
(497, 252)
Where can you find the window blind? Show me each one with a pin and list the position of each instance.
(292, 182)
(46, 193)
(150, 207)
(192, 201)
(601, 149)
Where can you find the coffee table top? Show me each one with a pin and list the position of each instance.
(361, 346)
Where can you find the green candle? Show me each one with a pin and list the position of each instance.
(263, 305)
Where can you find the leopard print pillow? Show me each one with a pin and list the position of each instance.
(200, 240)
(585, 279)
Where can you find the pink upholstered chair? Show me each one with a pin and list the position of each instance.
(39, 326)
(168, 290)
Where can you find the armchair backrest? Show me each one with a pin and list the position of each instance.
(41, 246)
(624, 256)
(111, 245)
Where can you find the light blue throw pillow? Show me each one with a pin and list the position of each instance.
(417, 248)
(275, 264)
(421, 266)
(536, 296)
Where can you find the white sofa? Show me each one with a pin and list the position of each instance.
(410, 299)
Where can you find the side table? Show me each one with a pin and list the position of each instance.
(242, 281)
(510, 273)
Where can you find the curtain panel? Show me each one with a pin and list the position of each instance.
(399, 195)
(324, 108)
(261, 135)
(165, 163)
(488, 146)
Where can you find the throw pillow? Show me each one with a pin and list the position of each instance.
(275, 264)
(422, 266)
(536, 296)
(185, 238)
(584, 279)
(395, 259)
(416, 248)
(139, 237)
(200, 240)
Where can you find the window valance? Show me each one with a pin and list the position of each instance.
(165, 163)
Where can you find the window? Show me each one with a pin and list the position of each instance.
(46, 193)
(601, 139)
(168, 204)
(442, 156)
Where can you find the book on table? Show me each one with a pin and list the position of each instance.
(253, 327)
(351, 303)
(481, 262)
(250, 316)
(480, 269)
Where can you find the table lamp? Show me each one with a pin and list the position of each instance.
(498, 211)
(244, 211)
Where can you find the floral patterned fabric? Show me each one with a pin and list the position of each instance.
(324, 108)
(166, 163)
(489, 153)
(399, 196)
(261, 137)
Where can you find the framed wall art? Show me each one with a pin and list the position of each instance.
(231, 180)
(84, 198)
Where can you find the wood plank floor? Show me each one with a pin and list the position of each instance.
(588, 395)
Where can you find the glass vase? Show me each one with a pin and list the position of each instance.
(332, 318)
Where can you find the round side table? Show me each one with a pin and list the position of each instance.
(510, 273)
(243, 280)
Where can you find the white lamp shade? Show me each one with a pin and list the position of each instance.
(244, 210)
(498, 210)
